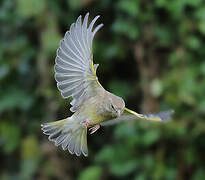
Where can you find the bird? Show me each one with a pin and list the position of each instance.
(92, 105)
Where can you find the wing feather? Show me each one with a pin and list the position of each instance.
(63, 70)
(66, 76)
(66, 87)
(67, 65)
(129, 115)
(75, 72)
(80, 38)
(68, 57)
(85, 35)
(69, 49)
(75, 41)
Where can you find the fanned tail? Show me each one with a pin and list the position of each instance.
(68, 133)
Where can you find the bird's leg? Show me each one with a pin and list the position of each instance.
(87, 123)
(94, 128)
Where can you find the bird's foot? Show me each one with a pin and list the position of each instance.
(87, 123)
(94, 128)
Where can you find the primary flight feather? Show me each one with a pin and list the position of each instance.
(92, 105)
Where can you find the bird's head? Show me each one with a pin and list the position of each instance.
(116, 105)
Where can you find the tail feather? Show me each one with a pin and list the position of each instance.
(68, 133)
(84, 145)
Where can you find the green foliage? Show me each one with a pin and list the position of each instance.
(92, 173)
(15, 98)
(10, 136)
(123, 26)
(30, 8)
(120, 88)
(30, 155)
(151, 53)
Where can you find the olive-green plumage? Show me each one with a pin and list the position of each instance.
(92, 105)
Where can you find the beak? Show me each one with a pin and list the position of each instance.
(118, 113)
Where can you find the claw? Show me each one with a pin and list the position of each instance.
(94, 128)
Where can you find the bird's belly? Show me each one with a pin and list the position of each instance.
(98, 121)
(93, 110)
(96, 117)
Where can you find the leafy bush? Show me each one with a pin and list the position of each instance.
(150, 52)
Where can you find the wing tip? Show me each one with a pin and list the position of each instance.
(166, 115)
(86, 15)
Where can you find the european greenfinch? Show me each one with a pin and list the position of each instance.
(92, 105)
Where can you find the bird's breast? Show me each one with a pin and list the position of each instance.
(97, 115)
(94, 111)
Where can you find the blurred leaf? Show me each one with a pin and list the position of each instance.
(30, 8)
(171, 173)
(202, 106)
(30, 157)
(200, 13)
(199, 175)
(202, 27)
(194, 3)
(30, 148)
(129, 6)
(50, 36)
(125, 130)
(28, 168)
(105, 154)
(75, 4)
(113, 50)
(126, 28)
(151, 136)
(10, 134)
(156, 88)
(123, 168)
(140, 176)
(148, 161)
(176, 8)
(51, 40)
(120, 88)
(193, 42)
(15, 98)
(163, 34)
(202, 68)
(3, 71)
(91, 173)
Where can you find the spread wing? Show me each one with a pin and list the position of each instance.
(129, 115)
(75, 72)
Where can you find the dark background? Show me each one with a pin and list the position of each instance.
(151, 53)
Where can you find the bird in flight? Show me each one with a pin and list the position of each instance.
(92, 105)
